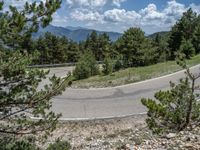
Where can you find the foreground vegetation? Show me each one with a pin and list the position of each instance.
(20, 96)
(135, 74)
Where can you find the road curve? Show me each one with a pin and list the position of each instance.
(109, 102)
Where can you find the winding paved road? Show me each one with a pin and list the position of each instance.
(109, 102)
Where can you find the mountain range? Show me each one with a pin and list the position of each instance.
(76, 34)
(161, 34)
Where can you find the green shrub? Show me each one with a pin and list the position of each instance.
(86, 66)
(81, 71)
(176, 108)
(173, 109)
(107, 66)
(118, 65)
(59, 145)
(19, 145)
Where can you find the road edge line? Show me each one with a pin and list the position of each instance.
(94, 118)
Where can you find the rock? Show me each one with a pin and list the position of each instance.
(106, 143)
(188, 139)
(163, 143)
(147, 142)
(127, 146)
(170, 135)
(181, 133)
(196, 138)
(181, 146)
(188, 145)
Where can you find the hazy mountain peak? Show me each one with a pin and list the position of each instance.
(75, 28)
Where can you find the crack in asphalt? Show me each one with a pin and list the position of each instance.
(117, 94)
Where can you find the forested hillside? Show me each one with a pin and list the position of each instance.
(133, 48)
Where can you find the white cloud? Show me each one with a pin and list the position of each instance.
(86, 15)
(93, 3)
(147, 16)
(174, 9)
(93, 13)
(121, 15)
(195, 8)
(86, 3)
(19, 4)
(150, 15)
(117, 2)
(57, 19)
(149, 9)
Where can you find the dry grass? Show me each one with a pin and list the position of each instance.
(131, 75)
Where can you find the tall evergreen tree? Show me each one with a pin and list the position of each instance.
(42, 49)
(20, 96)
(73, 52)
(54, 49)
(183, 29)
(135, 48)
(196, 37)
(161, 45)
(104, 46)
(100, 45)
(92, 43)
(187, 48)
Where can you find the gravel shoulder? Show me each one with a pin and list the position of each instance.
(123, 134)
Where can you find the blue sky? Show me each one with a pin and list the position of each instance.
(119, 15)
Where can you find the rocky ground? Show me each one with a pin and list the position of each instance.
(128, 133)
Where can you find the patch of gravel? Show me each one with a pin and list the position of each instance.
(129, 133)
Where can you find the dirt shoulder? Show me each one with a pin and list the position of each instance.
(128, 133)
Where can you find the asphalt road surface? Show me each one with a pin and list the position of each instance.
(109, 102)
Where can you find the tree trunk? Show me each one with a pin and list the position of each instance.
(190, 105)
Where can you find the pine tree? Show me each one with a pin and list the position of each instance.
(183, 29)
(187, 48)
(108, 65)
(20, 95)
(41, 47)
(92, 43)
(135, 48)
(176, 108)
(104, 47)
(54, 49)
(86, 66)
(73, 52)
(99, 44)
(161, 45)
(196, 37)
(17, 26)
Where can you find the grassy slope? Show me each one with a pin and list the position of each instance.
(131, 75)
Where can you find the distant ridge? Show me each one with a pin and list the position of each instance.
(76, 34)
(162, 34)
(75, 28)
